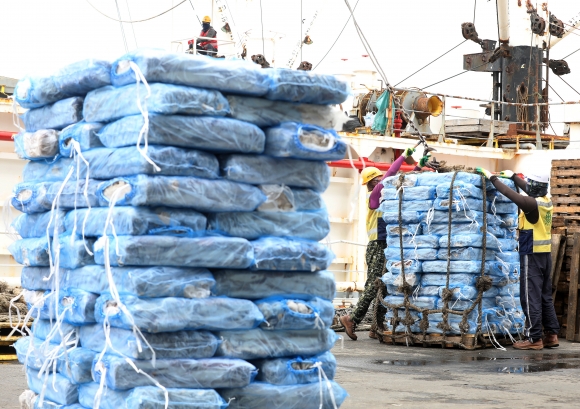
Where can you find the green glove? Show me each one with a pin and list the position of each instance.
(409, 152)
(508, 174)
(424, 160)
(484, 172)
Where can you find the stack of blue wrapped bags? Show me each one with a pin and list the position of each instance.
(426, 220)
(172, 215)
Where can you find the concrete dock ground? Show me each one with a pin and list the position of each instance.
(383, 376)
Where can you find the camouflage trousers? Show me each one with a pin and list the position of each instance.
(375, 257)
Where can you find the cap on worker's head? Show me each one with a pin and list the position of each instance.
(369, 174)
(539, 175)
(206, 19)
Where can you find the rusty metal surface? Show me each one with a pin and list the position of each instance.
(480, 62)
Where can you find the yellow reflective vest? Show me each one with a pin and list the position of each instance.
(374, 220)
(542, 229)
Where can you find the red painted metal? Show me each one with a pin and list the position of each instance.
(6, 135)
(346, 163)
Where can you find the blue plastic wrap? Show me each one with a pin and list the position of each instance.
(486, 302)
(410, 205)
(510, 290)
(461, 228)
(467, 292)
(438, 316)
(461, 204)
(469, 240)
(460, 189)
(252, 225)
(254, 285)
(306, 199)
(434, 179)
(42, 329)
(157, 65)
(151, 397)
(180, 344)
(509, 221)
(434, 329)
(281, 198)
(33, 278)
(258, 343)
(36, 225)
(503, 208)
(394, 181)
(394, 253)
(79, 306)
(42, 144)
(58, 388)
(459, 267)
(307, 396)
(175, 314)
(291, 371)
(265, 113)
(421, 302)
(173, 373)
(73, 80)
(73, 253)
(508, 301)
(137, 221)
(30, 252)
(47, 171)
(469, 216)
(412, 279)
(285, 313)
(85, 133)
(258, 170)
(214, 134)
(407, 217)
(420, 241)
(394, 230)
(508, 182)
(503, 269)
(465, 253)
(144, 282)
(508, 256)
(76, 366)
(306, 87)
(401, 312)
(303, 141)
(33, 352)
(276, 253)
(423, 291)
(108, 104)
(421, 193)
(441, 279)
(411, 266)
(56, 116)
(211, 252)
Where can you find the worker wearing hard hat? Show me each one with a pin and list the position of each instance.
(377, 235)
(535, 246)
(205, 46)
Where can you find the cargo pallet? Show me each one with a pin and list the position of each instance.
(468, 341)
(7, 353)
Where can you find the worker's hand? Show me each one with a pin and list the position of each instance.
(508, 174)
(424, 160)
(484, 172)
(409, 152)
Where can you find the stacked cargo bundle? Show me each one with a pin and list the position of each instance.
(452, 266)
(184, 265)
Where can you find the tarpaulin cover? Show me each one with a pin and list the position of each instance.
(414, 205)
(216, 252)
(421, 193)
(108, 104)
(180, 344)
(58, 388)
(151, 397)
(394, 253)
(442, 229)
(260, 170)
(421, 302)
(411, 266)
(407, 217)
(214, 134)
(252, 225)
(85, 133)
(435, 179)
(394, 230)
(55, 116)
(465, 253)
(45, 328)
(42, 144)
(78, 305)
(291, 371)
(486, 302)
(157, 65)
(306, 87)
(176, 314)
(254, 285)
(174, 373)
(73, 80)
(286, 313)
(137, 221)
(419, 241)
(258, 343)
(158, 281)
(460, 267)
(303, 141)
(261, 395)
(276, 253)
(38, 224)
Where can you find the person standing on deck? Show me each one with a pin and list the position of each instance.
(535, 247)
(205, 46)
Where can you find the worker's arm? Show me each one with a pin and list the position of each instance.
(375, 199)
(211, 33)
(508, 174)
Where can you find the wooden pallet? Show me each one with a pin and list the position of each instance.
(7, 340)
(468, 341)
(565, 188)
(573, 316)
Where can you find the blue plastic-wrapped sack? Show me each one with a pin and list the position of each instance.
(151, 397)
(509, 221)
(395, 181)
(434, 179)
(306, 87)
(411, 266)
(33, 352)
(56, 116)
(48, 171)
(438, 316)
(39, 224)
(441, 279)
(465, 253)
(266, 114)
(177, 314)
(402, 313)
(276, 253)
(158, 281)
(41, 303)
(252, 225)
(510, 290)
(84, 133)
(36, 278)
(423, 291)
(258, 343)
(180, 344)
(73, 80)
(508, 182)
(393, 230)
(108, 104)
(394, 253)
(77, 364)
(455, 327)
(469, 240)
(214, 134)
(420, 193)
(185, 192)
(254, 285)
(407, 217)
(468, 216)
(42, 144)
(460, 189)
(421, 302)
(44, 329)
(459, 267)
(461, 204)
(281, 198)
(30, 252)
(408, 206)
(298, 370)
(211, 252)
(34, 252)
(137, 221)
(58, 388)
(260, 170)
(442, 229)
(173, 373)
(503, 208)
(78, 306)
(508, 256)
(303, 141)
(459, 305)
(157, 65)
(286, 313)
(412, 279)
(74, 253)
(466, 292)
(508, 301)
(503, 269)
(420, 241)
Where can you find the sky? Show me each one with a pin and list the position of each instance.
(40, 36)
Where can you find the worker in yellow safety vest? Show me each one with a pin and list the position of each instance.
(535, 246)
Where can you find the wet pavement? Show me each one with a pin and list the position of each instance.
(416, 377)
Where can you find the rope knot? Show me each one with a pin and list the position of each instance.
(444, 326)
(483, 283)
(406, 289)
(424, 324)
(446, 294)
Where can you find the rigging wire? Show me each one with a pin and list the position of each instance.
(552, 88)
(474, 8)
(565, 82)
(571, 54)
(132, 27)
(193, 8)
(135, 21)
(122, 28)
(301, 27)
(262, 24)
(456, 75)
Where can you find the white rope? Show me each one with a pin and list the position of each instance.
(322, 374)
